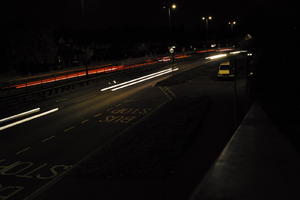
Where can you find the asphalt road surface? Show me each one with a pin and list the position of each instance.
(38, 155)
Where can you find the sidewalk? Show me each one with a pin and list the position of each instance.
(258, 163)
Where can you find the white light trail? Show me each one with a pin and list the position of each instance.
(136, 79)
(20, 115)
(216, 56)
(28, 119)
(145, 79)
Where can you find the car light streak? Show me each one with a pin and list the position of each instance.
(20, 115)
(145, 79)
(28, 119)
(81, 74)
(216, 56)
(237, 52)
(136, 79)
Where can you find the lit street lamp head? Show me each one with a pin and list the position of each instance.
(173, 6)
(210, 17)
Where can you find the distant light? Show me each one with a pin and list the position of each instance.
(234, 22)
(203, 18)
(210, 17)
(216, 56)
(213, 45)
(249, 54)
(174, 6)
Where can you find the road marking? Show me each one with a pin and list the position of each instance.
(9, 191)
(84, 121)
(113, 107)
(170, 92)
(47, 139)
(28, 119)
(20, 115)
(68, 129)
(23, 150)
(165, 92)
(56, 179)
(97, 115)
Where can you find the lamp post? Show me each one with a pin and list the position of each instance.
(231, 24)
(170, 8)
(85, 59)
(207, 19)
(82, 7)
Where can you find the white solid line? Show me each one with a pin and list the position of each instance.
(20, 115)
(23, 150)
(151, 77)
(135, 79)
(28, 119)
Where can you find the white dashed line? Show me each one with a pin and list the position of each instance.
(97, 115)
(47, 139)
(23, 150)
(84, 121)
(68, 129)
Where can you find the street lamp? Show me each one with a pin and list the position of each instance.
(232, 23)
(207, 19)
(171, 7)
(82, 7)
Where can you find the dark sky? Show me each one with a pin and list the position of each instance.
(145, 13)
(148, 18)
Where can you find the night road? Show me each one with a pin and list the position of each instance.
(40, 156)
(149, 100)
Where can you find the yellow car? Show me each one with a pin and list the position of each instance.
(225, 71)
